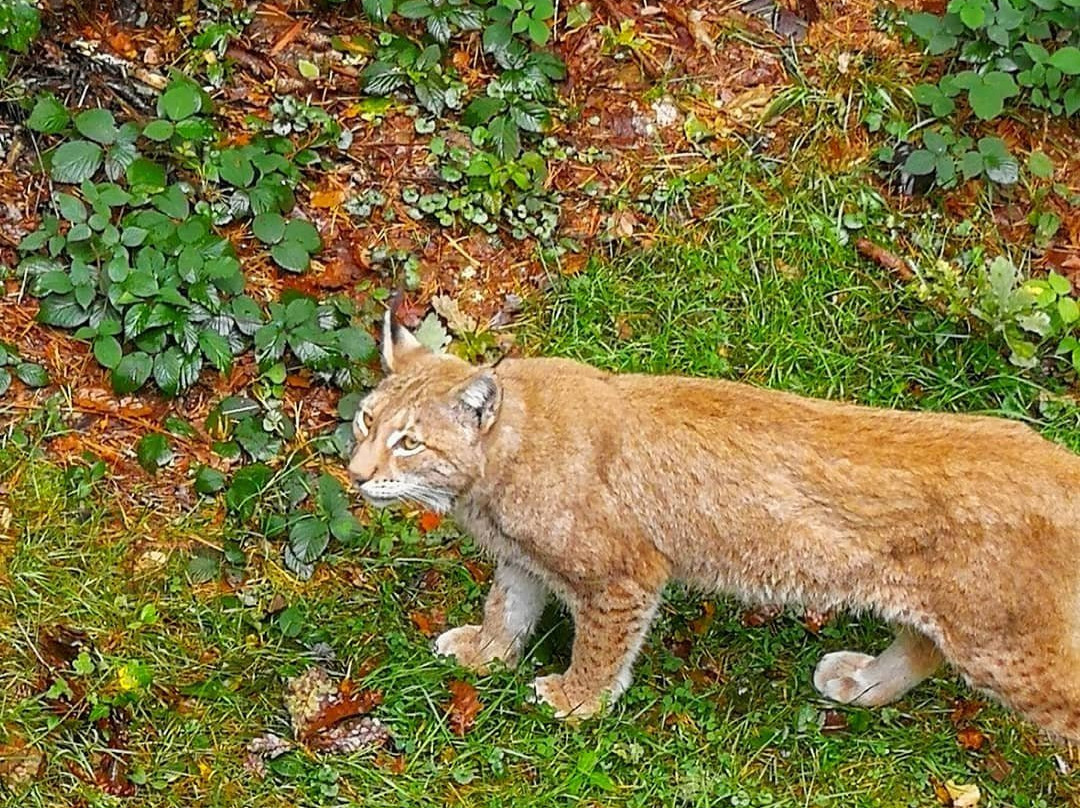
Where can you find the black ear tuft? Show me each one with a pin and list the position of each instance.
(398, 344)
(480, 399)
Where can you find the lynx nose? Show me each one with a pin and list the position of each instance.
(360, 472)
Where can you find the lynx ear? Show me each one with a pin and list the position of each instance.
(399, 346)
(479, 399)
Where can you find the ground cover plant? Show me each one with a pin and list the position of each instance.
(205, 213)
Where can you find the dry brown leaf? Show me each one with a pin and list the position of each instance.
(761, 615)
(997, 766)
(463, 708)
(970, 738)
(429, 623)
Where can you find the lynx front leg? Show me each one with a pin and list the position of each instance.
(511, 610)
(868, 681)
(608, 631)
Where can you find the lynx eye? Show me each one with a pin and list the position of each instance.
(408, 445)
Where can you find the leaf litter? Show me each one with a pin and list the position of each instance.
(326, 717)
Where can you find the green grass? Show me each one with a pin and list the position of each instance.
(718, 716)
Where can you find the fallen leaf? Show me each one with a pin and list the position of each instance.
(833, 721)
(19, 764)
(964, 710)
(701, 624)
(970, 738)
(429, 521)
(815, 620)
(456, 320)
(463, 708)
(327, 199)
(429, 623)
(760, 616)
(963, 795)
(332, 717)
(997, 766)
(394, 764)
(477, 571)
(110, 769)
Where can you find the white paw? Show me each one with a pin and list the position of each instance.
(458, 642)
(551, 690)
(840, 677)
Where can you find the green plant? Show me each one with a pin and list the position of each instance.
(126, 262)
(319, 335)
(29, 373)
(20, 23)
(400, 62)
(483, 189)
(292, 243)
(80, 479)
(518, 17)
(152, 287)
(516, 101)
(258, 428)
(945, 157)
(1035, 317)
(1019, 47)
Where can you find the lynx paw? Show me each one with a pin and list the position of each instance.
(551, 690)
(470, 648)
(840, 676)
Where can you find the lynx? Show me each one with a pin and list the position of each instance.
(961, 531)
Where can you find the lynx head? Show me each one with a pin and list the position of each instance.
(419, 434)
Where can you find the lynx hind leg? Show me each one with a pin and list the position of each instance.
(868, 681)
(1038, 682)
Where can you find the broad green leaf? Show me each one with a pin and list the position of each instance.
(208, 480)
(236, 168)
(98, 125)
(330, 495)
(1040, 165)
(1068, 310)
(216, 349)
(153, 452)
(309, 538)
(71, 208)
(32, 374)
(159, 130)
(108, 351)
(5, 380)
(145, 176)
(48, 115)
(269, 228)
(132, 372)
(181, 100)
(303, 233)
(291, 256)
(1066, 59)
(63, 311)
(75, 161)
(920, 162)
(357, 344)
(202, 569)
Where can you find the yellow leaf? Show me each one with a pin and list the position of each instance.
(327, 199)
(964, 795)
